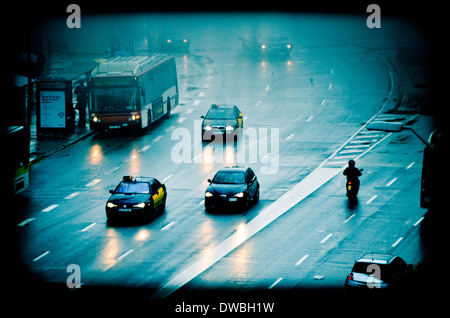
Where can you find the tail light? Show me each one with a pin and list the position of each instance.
(350, 276)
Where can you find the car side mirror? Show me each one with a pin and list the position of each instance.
(209, 180)
(202, 116)
(111, 191)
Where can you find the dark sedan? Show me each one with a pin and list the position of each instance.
(225, 120)
(232, 187)
(141, 196)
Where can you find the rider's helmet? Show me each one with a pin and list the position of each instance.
(351, 163)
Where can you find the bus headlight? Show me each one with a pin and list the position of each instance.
(95, 119)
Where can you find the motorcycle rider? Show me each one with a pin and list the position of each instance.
(352, 174)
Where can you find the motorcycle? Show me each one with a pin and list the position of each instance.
(352, 189)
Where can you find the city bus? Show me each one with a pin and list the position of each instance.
(131, 92)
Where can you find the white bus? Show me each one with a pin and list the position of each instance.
(131, 92)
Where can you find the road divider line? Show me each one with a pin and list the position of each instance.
(71, 196)
(51, 207)
(396, 242)
(326, 238)
(275, 283)
(125, 254)
(88, 227)
(23, 223)
(167, 178)
(410, 165)
(93, 182)
(168, 226)
(371, 199)
(301, 260)
(41, 256)
(418, 221)
(349, 218)
(391, 182)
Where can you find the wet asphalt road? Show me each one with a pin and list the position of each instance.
(301, 112)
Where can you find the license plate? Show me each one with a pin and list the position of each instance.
(124, 210)
(114, 127)
(232, 199)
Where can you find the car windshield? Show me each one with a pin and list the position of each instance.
(229, 177)
(220, 113)
(114, 99)
(363, 268)
(132, 187)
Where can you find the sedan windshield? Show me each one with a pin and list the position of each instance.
(132, 187)
(229, 177)
(220, 113)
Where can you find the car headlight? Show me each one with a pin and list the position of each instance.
(111, 205)
(229, 127)
(208, 194)
(239, 195)
(208, 127)
(140, 205)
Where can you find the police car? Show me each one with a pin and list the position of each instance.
(225, 120)
(138, 196)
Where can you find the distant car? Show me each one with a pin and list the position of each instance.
(232, 187)
(377, 271)
(138, 196)
(279, 45)
(225, 120)
(175, 44)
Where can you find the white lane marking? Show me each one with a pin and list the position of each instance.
(330, 86)
(290, 137)
(93, 182)
(309, 118)
(41, 256)
(125, 254)
(357, 150)
(257, 103)
(396, 242)
(181, 119)
(201, 202)
(323, 102)
(23, 223)
(418, 221)
(196, 102)
(145, 148)
(266, 88)
(275, 283)
(88, 227)
(301, 260)
(410, 165)
(167, 178)
(265, 157)
(51, 207)
(299, 192)
(71, 196)
(168, 226)
(189, 110)
(391, 182)
(326, 238)
(201, 94)
(349, 218)
(371, 199)
(158, 138)
(112, 170)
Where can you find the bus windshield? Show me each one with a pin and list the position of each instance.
(107, 99)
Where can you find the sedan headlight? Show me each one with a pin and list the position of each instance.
(229, 128)
(111, 205)
(239, 195)
(140, 205)
(208, 194)
(208, 127)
